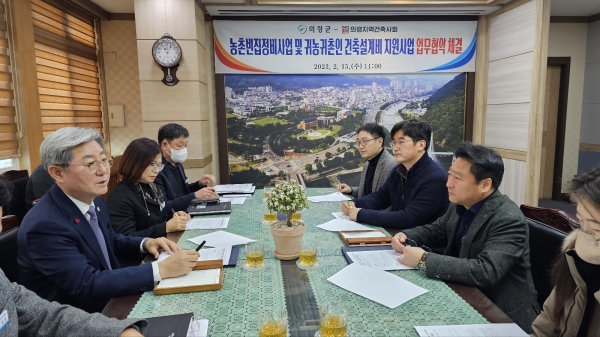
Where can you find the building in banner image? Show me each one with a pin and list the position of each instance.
(299, 127)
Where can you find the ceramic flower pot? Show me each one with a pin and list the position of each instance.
(287, 239)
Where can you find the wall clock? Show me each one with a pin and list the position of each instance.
(167, 53)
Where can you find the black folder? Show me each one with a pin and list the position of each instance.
(235, 250)
(348, 249)
(164, 326)
(220, 208)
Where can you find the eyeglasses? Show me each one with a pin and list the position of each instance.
(577, 227)
(394, 144)
(413, 243)
(364, 141)
(95, 165)
(154, 165)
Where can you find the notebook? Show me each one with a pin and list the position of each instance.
(220, 208)
(164, 326)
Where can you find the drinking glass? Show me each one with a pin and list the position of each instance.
(268, 215)
(308, 255)
(255, 255)
(334, 316)
(272, 322)
(297, 216)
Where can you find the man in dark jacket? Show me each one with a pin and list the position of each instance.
(485, 234)
(178, 192)
(416, 189)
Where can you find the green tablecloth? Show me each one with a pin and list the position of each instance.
(232, 310)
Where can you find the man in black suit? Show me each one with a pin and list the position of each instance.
(179, 193)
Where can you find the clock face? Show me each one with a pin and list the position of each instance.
(166, 52)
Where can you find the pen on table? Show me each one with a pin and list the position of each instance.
(349, 204)
(200, 246)
(172, 210)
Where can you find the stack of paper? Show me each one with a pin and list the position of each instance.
(375, 285)
(341, 216)
(497, 330)
(198, 328)
(337, 196)
(337, 225)
(221, 239)
(385, 259)
(207, 223)
(193, 278)
(233, 200)
(235, 188)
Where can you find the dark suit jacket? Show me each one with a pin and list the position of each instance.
(419, 201)
(128, 214)
(29, 315)
(167, 182)
(382, 171)
(494, 256)
(60, 258)
(38, 184)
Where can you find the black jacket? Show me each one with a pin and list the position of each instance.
(420, 200)
(128, 214)
(178, 200)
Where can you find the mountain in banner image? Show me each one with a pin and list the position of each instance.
(303, 127)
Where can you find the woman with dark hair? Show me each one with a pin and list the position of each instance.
(136, 205)
(573, 307)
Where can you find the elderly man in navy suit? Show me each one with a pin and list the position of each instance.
(67, 248)
(173, 140)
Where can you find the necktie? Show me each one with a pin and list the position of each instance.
(99, 236)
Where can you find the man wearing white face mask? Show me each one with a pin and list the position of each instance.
(573, 307)
(179, 193)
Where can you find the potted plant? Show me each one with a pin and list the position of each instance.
(287, 197)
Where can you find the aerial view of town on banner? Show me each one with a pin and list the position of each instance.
(302, 127)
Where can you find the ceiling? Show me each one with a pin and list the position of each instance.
(358, 7)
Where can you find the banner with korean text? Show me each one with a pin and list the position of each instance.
(320, 47)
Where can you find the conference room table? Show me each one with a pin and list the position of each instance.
(232, 311)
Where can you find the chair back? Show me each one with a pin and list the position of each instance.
(9, 222)
(544, 244)
(549, 216)
(114, 176)
(8, 254)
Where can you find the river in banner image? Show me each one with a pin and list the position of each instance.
(389, 115)
(352, 179)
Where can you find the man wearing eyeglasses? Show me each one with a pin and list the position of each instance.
(380, 162)
(415, 191)
(485, 234)
(67, 248)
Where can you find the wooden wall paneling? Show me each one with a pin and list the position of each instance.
(509, 6)
(509, 80)
(212, 109)
(222, 128)
(191, 68)
(26, 87)
(187, 98)
(481, 80)
(181, 20)
(507, 126)
(511, 154)
(537, 102)
(514, 180)
(589, 147)
(200, 26)
(150, 11)
(512, 33)
(549, 132)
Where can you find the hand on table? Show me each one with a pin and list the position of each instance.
(344, 188)
(207, 192)
(207, 179)
(178, 264)
(152, 246)
(177, 223)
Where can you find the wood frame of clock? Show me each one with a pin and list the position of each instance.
(169, 72)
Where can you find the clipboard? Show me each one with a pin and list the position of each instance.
(385, 240)
(220, 208)
(200, 265)
(346, 250)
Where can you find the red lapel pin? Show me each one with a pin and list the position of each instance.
(77, 221)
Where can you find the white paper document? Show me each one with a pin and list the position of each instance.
(386, 259)
(193, 278)
(221, 253)
(207, 223)
(233, 200)
(487, 330)
(341, 216)
(336, 225)
(221, 239)
(337, 196)
(234, 188)
(198, 328)
(375, 285)
(358, 235)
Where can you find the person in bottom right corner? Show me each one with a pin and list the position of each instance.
(573, 307)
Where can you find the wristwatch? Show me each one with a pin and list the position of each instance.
(423, 262)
